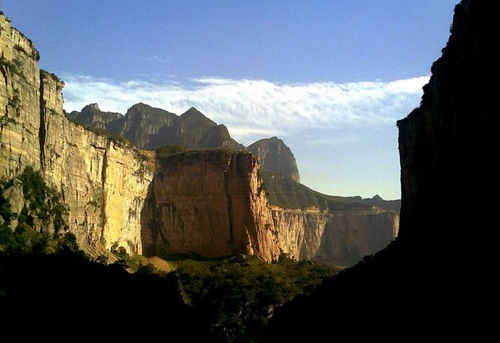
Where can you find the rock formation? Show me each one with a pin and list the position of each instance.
(104, 182)
(149, 128)
(222, 213)
(120, 193)
(276, 157)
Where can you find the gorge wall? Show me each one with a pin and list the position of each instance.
(210, 203)
(103, 182)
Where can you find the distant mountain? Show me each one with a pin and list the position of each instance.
(276, 157)
(150, 128)
(91, 115)
(288, 193)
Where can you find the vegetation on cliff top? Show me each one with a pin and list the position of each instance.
(171, 155)
(284, 192)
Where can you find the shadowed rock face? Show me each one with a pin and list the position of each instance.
(438, 274)
(276, 157)
(445, 144)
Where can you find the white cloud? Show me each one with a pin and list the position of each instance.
(158, 59)
(254, 109)
(337, 132)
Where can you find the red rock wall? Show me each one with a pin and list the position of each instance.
(210, 206)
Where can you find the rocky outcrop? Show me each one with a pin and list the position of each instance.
(92, 116)
(210, 202)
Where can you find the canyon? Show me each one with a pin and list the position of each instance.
(208, 201)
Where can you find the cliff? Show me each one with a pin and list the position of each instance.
(104, 182)
(436, 277)
(223, 213)
(210, 203)
(214, 203)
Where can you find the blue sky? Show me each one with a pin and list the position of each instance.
(330, 78)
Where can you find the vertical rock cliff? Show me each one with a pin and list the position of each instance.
(340, 237)
(103, 182)
(209, 203)
(19, 101)
(447, 143)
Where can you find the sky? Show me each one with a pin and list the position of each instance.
(329, 78)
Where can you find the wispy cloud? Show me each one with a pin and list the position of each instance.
(253, 109)
(158, 59)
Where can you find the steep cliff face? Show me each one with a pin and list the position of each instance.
(19, 101)
(103, 182)
(447, 142)
(213, 203)
(210, 203)
(342, 237)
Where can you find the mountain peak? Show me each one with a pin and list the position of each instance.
(192, 111)
(93, 106)
(139, 106)
(275, 156)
